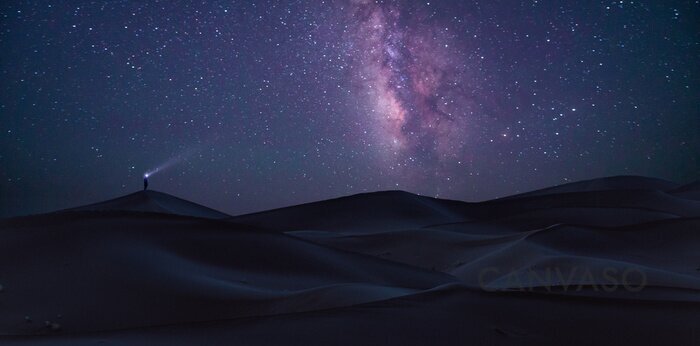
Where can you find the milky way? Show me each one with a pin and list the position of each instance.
(253, 105)
(410, 71)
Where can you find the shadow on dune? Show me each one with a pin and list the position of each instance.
(378, 268)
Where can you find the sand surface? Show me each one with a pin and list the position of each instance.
(610, 261)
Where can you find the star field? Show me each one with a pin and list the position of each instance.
(245, 106)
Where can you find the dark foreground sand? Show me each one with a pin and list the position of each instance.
(612, 261)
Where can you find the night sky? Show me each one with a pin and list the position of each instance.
(250, 105)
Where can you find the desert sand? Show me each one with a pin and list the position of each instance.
(610, 261)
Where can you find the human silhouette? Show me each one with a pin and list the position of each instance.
(145, 182)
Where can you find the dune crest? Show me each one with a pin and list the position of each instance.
(154, 202)
(153, 268)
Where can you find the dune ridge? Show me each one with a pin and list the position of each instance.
(388, 267)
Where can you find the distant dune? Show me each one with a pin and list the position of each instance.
(362, 213)
(616, 183)
(610, 261)
(154, 202)
(689, 191)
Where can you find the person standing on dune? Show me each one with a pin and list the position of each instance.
(145, 182)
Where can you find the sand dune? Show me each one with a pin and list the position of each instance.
(688, 191)
(362, 213)
(664, 251)
(155, 202)
(605, 184)
(610, 261)
(158, 270)
(451, 315)
(640, 200)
